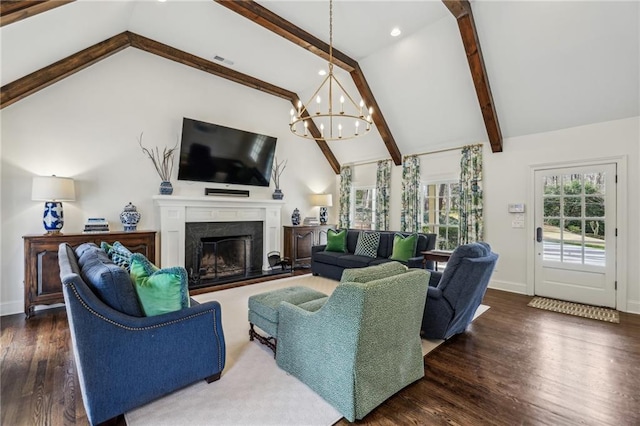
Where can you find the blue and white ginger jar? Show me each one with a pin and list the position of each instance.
(130, 217)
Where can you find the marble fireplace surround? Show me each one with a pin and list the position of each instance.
(174, 211)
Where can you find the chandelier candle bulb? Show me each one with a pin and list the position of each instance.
(339, 130)
(322, 130)
(292, 114)
(357, 124)
(299, 107)
(306, 126)
(341, 104)
(318, 100)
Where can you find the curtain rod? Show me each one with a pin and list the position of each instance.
(419, 154)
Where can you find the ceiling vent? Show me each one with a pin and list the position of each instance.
(223, 60)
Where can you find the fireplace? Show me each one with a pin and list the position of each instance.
(174, 212)
(220, 252)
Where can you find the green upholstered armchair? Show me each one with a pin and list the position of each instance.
(362, 346)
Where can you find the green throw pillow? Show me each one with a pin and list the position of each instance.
(159, 290)
(404, 248)
(119, 254)
(336, 241)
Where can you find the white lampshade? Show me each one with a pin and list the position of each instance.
(53, 188)
(322, 200)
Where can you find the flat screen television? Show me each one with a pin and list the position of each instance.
(214, 153)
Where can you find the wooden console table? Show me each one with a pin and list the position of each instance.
(299, 239)
(436, 256)
(42, 284)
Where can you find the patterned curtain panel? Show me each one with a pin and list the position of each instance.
(410, 213)
(383, 192)
(345, 196)
(471, 200)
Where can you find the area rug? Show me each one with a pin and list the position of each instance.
(252, 389)
(576, 309)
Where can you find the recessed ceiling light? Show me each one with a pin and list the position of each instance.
(322, 72)
(395, 32)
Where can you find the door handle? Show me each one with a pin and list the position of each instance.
(539, 234)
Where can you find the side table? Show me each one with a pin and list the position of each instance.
(436, 256)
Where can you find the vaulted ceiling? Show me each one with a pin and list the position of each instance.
(459, 73)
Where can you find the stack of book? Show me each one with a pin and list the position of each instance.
(95, 225)
(311, 221)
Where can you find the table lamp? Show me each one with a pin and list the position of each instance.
(323, 201)
(52, 190)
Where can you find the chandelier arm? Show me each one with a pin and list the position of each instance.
(346, 93)
(310, 101)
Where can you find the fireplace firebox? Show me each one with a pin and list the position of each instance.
(221, 252)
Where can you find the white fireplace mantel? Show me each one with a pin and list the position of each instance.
(173, 212)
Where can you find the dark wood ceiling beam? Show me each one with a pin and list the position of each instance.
(53, 73)
(276, 24)
(38, 80)
(13, 11)
(197, 62)
(461, 10)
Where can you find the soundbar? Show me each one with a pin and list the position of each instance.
(229, 192)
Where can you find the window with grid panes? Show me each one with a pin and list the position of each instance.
(441, 213)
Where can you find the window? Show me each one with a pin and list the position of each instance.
(364, 206)
(441, 213)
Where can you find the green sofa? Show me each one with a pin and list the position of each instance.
(363, 345)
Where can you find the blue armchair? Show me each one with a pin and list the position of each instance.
(454, 294)
(124, 361)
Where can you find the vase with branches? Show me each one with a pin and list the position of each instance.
(276, 172)
(163, 162)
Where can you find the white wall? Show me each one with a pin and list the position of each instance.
(507, 180)
(86, 127)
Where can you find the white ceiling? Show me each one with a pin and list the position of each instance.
(550, 65)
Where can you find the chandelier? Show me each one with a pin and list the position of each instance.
(335, 120)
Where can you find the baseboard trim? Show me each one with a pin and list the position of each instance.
(633, 306)
(509, 286)
(10, 308)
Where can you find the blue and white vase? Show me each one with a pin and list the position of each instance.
(295, 217)
(130, 217)
(53, 219)
(277, 194)
(166, 188)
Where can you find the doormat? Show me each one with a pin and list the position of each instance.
(576, 309)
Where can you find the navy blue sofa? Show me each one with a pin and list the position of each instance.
(455, 293)
(330, 264)
(123, 360)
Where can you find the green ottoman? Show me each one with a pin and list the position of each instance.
(263, 310)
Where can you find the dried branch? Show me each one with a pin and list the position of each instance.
(277, 170)
(162, 162)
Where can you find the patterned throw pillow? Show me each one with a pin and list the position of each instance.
(368, 244)
(119, 254)
(159, 290)
(336, 241)
(404, 248)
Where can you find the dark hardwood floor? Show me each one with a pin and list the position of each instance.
(515, 365)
